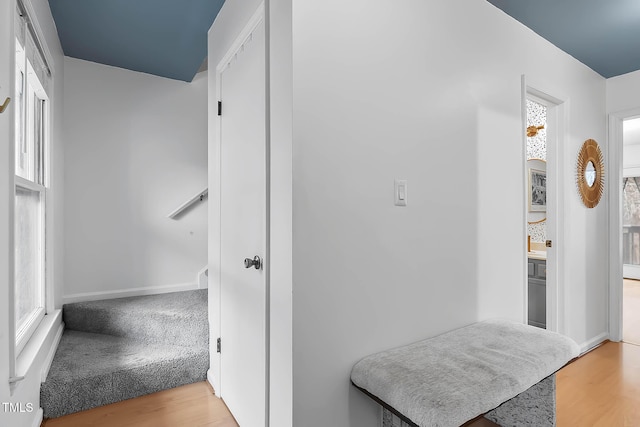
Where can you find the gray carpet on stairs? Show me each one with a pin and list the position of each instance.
(117, 349)
(178, 318)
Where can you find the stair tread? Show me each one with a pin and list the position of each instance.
(85, 354)
(185, 304)
(178, 318)
(118, 349)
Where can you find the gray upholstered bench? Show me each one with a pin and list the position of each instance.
(500, 369)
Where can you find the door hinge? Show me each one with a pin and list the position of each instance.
(218, 345)
(219, 108)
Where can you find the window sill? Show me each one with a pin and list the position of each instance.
(45, 337)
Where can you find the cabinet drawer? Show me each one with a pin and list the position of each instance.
(541, 270)
(537, 303)
(532, 269)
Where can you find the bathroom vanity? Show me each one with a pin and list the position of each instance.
(537, 288)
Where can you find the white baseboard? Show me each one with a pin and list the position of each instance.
(52, 352)
(212, 382)
(203, 278)
(587, 346)
(37, 421)
(120, 293)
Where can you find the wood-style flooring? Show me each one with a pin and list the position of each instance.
(602, 388)
(631, 311)
(192, 405)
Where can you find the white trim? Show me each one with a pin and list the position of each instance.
(523, 156)
(267, 208)
(28, 185)
(27, 329)
(587, 346)
(22, 333)
(202, 279)
(52, 352)
(37, 421)
(10, 212)
(43, 335)
(614, 150)
(246, 32)
(213, 383)
(42, 40)
(631, 171)
(132, 292)
(631, 271)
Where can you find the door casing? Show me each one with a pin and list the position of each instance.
(614, 195)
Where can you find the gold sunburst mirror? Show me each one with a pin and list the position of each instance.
(590, 173)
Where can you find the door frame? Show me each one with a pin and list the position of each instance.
(215, 204)
(628, 270)
(614, 194)
(556, 119)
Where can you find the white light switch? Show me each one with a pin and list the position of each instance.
(400, 192)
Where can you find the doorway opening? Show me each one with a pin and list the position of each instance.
(536, 156)
(543, 140)
(631, 230)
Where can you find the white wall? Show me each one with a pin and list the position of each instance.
(631, 145)
(136, 149)
(416, 90)
(28, 390)
(623, 92)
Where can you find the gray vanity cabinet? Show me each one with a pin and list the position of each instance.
(537, 292)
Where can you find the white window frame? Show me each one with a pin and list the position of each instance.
(26, 330)
(23, 334)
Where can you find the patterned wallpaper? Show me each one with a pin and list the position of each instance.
(537, 116)
(537, 231)
(537, 149)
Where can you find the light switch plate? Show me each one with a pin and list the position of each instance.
(400, 192)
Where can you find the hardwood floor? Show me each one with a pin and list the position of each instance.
(192, 405)
(601, 388)
(631, 311)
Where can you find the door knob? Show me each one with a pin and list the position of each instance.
(255, 262)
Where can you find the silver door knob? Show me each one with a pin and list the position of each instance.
(256, 262)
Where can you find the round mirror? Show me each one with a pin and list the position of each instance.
(590, 173)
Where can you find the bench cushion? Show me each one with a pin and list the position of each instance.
(455, 377)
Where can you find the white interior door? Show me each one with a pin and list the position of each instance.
(243, 219)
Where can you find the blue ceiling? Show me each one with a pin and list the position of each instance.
(602, 34)
(167, 38)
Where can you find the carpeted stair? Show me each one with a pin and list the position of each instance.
(117, 349)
